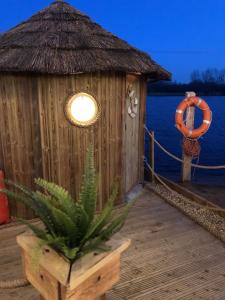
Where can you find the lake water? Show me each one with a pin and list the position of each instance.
(160, 118)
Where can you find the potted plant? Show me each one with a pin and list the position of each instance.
(74, 253)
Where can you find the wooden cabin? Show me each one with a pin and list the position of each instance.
(57, 56)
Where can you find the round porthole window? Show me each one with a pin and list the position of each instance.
(82, 110)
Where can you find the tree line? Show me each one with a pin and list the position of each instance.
(208, 82)
(209, 76)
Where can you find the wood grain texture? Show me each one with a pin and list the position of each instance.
(55, 278)
(88, 267)
(170, 257)
(37, 140)
(40, 278)
(187, 160)
(98, 283)
(20, 135)
(142, 116)
(131, 137)
(50, 260)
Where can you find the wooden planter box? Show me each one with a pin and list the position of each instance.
(87, 279)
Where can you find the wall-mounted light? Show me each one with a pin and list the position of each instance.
(82, 110)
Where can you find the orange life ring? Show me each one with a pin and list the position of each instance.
(207, 117)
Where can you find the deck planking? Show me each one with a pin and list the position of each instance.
(171, 257)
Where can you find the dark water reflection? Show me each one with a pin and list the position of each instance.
(160, 118)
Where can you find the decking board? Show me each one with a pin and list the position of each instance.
(170, 258)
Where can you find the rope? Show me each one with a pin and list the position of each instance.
(191, 148)
(180, 160)
(12, 284)
(176, 193)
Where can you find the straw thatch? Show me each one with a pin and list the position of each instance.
(62, 40)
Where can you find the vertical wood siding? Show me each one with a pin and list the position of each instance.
(20, 135)
(133, 135)
(36, 139)
(64, 145)
(142, 115)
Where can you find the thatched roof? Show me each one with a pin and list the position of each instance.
(61, 40)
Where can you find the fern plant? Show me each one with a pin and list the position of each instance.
(71, 227)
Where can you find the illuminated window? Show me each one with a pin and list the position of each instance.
(82, 110)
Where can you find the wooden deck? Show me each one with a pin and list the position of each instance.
(171, 257)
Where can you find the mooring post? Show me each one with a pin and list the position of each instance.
(152, 156)
(187, 160)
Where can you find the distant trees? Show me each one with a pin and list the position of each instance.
(195, 76)
(210, 75)
(208, 82)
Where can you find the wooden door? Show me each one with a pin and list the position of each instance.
(131, 136)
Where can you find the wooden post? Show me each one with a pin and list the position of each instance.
(186, 166)
(152, 156)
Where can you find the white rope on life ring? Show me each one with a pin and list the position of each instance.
(133, 107)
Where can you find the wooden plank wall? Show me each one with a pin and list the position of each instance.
(64, 145)
(37, 140)
(133, 137)
(142, 116)
(20, 135)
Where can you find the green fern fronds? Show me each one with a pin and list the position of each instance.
(103, 218)
(40, 233)
(71, 227)
(40, 208)
(65, 201)
(65, 226)
(88, 195)
(118, 222)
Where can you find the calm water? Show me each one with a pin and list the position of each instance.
(160, 118)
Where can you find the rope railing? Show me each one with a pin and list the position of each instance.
(179, 159)
(12, 284)
(219, 209)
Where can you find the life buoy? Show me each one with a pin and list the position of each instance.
(207, 117)
(133, 103)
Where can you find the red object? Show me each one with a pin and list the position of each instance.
(207, 117)
(4, 207)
